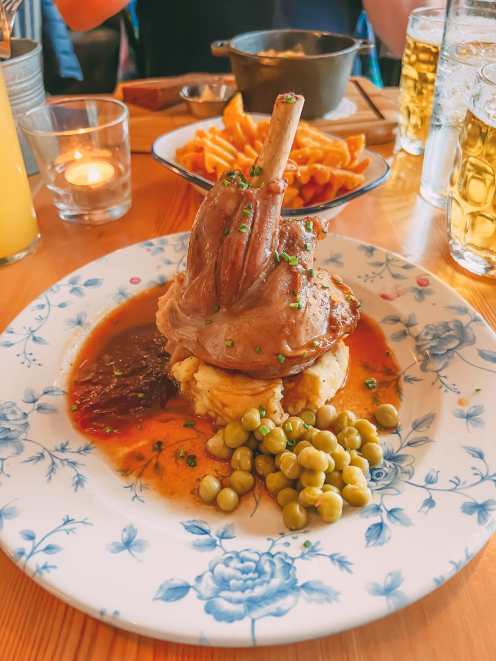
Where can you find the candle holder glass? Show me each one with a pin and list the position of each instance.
(82, 148)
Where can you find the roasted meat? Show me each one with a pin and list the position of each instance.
(251, 298)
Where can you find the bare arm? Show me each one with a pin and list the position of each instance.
(390, 18)
(83, 15)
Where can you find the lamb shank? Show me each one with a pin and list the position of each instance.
(251, 298)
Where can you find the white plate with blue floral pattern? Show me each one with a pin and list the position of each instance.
(158, 569)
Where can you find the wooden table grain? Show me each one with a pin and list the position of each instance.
(456, 622)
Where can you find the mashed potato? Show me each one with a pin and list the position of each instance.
(225, 396)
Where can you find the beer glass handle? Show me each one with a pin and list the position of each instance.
(365, 47)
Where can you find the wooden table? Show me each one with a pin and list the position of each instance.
(456, 622)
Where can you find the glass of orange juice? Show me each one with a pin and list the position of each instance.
(18, 226)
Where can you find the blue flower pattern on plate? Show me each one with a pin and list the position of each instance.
(129, 542)
(389, 589)
(251, 584)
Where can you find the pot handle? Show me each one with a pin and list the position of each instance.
(220, 48)
(365, 46)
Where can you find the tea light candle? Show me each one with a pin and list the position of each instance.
(89, 173)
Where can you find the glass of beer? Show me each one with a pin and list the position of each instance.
(471, 196)
(418, 76)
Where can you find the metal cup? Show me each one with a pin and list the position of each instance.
(23, 74)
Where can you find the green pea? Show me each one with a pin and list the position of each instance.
(350, 438)
(311, 478)
(330, 487)
(308, 417)
(242, 459)
(294, 428)
(264, 464)
(335, 479)
(342, 420)
(217, 448)
(242, 481)
(309, 434)
(341, 457)
(288, 463)
(251, 419)
(331, 465)
(309, 496)
(294, 516)
(235, 435)
(353, 475)
(266, 424)
(325, 416)
(357, 495)
(387, 416)
(227, 499)
(367, 429)
(325, 441)
(276, 481)
(373, 453)
(313, 459)
(286, 495)
(208, 488)
(275, 441)
(330, 506)
(361, 463)
(300, 446)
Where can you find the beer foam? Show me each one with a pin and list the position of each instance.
(432, 34)
(486, 114)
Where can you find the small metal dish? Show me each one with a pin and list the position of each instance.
(207, 99)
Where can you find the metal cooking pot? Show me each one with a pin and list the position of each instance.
(320, 75)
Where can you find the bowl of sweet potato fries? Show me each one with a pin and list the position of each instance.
(323, 173)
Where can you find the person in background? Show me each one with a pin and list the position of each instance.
(175, 36)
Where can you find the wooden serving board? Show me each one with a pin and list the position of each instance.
(376, 113)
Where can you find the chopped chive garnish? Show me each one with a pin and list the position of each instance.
(280, 358)
(288, 427)
(289, 98)
(109, 430)
(308, 246)
(307, 543)
(181, 453)
(189, 424)
(229, 343)
(263, 430)
(216, 308)
(243, 228)
(248, 210)
(255, 171)
(315, 343)
(262, 410)
(371, 383)
(297, 305)
(293, 260)
(309, 226)
(277, 257)
(243, 185)
(311, 273)
(74, 407)
(258, 349)
(306, 425)
(285, 256)
(325, 287)
(191, 460)
(226, 231)
(478, 389)
(226, 183)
